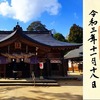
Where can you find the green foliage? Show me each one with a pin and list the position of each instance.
(36, 26)
(76, 34)
(59, 36)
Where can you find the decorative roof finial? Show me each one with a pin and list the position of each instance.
(17, 27)
(17, 23)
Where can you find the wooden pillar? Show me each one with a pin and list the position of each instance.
(8, 48)
(72, 67)
(30, 69)
(5, 71)
(62, 67)
(48, 67)
(65, 67)
(26, 48)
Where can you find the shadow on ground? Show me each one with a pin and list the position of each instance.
(41, 95)
(53, 96)
(57, 96)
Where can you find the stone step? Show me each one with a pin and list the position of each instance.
(23, 82)
(29, 84)
(28, 81)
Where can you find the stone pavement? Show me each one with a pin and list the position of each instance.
(68, 90)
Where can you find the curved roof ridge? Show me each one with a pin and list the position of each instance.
(47, 39)
(21, 34)
(8, 36)
(43, 39)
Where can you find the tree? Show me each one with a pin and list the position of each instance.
(59, 36)
(36, 26)
(76, 34)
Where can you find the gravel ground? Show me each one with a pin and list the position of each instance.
(68, 90)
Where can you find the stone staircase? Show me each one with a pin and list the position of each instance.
(28, 82)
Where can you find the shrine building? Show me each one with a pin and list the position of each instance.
(32, 51)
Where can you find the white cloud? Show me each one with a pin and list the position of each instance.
(25, 10)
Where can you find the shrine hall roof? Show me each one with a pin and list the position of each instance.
(42, 37)
(48, 39)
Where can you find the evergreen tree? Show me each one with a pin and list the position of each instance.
(36, 26)
(76, 34)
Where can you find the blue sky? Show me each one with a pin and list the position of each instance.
(55, 14)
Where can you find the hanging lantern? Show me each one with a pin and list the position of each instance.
(41, 65)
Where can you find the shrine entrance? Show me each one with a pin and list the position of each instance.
(22, 69)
